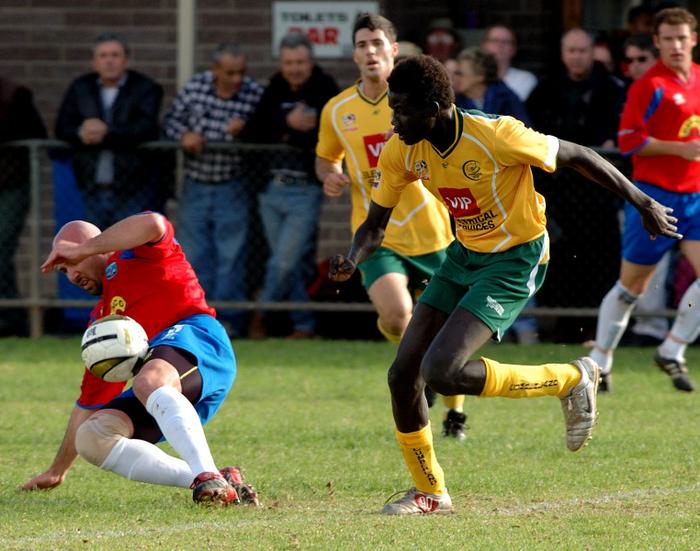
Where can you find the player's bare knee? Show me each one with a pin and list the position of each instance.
(96, 437)
(440, 373)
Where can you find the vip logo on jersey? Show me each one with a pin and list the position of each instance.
(691, 127)
(117, 305)
(472, 170)
(349, 121)
(678, 98)
(373, 147)
(460, 201)
(111, 270)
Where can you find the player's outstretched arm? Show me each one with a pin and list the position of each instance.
(367, 238)
(65, 457)
(657, 218)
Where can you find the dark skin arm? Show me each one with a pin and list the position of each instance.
(367, 239)
(656, 218)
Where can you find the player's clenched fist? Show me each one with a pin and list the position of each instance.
(341, 268)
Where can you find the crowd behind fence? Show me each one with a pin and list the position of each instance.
(583, 223)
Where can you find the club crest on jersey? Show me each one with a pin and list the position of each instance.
(678, 98)
(349, 121)
(376, 178)
(111, 270)
(472, 170)
(374, 144)
(460, 201)
(117, 305)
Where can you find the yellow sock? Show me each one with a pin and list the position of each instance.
(391, 337)
(529, 381)
(418, 453)
(454, 402)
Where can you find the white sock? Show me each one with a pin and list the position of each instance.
(145, 462)
(180, 424)
(613, 317)
(686, 326)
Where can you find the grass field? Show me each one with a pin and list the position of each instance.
(310, 424)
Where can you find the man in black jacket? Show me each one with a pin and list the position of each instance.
(105, 115)
(290, 205)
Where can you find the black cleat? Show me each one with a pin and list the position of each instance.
(605, 384)
(678, 372)
(454, 425)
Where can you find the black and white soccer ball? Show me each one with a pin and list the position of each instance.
(113, 347)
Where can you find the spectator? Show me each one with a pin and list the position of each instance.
(480, 88)
(19, 120)
(640, 55)
(603, 55)
(580, 102)
(214, 208)
(442, 40)
(105, 114)
(659, 128)
(290, 206)
(500, 41)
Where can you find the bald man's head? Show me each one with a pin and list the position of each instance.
(77, 231)
(577, 53)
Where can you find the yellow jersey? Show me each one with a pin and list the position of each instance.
(483, 178)
(354, 128)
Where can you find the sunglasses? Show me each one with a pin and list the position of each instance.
(638, 59)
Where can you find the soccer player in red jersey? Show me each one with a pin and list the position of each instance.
(660, 128)
(138, 269)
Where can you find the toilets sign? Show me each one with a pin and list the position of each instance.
(327, 24)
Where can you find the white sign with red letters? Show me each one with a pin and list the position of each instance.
(327, 24)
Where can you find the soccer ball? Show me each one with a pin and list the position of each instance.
(113, 347)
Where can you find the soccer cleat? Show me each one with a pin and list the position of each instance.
(246, 493)
(605, 384)
(454, 425)
(414, 502)
(213, 489)
(579, 406)
(678, 372)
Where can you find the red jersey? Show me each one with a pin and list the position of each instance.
(152, 283)
(662, 106)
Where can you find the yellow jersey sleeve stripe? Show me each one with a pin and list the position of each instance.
(550, 160)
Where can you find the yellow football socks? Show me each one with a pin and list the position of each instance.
(391, 337)
(454, 402)
(418, 453)
(529, 381)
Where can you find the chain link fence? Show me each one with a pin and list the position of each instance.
(43, 185)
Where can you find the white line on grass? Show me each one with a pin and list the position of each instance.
(643, 493)
(545, 506)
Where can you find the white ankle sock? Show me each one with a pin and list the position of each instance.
(180, 424)
(613, 317)
(145, 462)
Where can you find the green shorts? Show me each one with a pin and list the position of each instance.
(493, 286)
(419, 269)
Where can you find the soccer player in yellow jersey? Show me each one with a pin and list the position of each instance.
(479, 167)
(354, 127)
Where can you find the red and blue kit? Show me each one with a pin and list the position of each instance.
(152, 283)
(662, 106)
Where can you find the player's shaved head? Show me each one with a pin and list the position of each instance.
(77, 231)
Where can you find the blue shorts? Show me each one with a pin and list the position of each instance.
(637, 247)
(205, 339)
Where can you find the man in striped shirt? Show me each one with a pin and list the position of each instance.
(213, 209)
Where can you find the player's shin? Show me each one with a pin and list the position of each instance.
(529, 381)
(419, 455)
(182, 428)
(613, 317)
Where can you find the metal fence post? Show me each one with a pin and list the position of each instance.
(36, 321)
